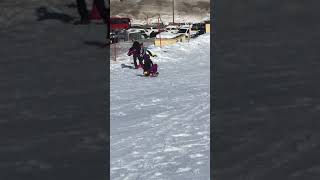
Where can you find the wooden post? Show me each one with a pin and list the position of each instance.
(189, 33)
(115, 51)
(159, 29)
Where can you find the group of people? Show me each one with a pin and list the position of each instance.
(142, 54)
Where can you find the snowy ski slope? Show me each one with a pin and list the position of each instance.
(160, 126)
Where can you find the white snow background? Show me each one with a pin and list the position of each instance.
(160, 126)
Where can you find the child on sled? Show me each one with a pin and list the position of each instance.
(149, 69)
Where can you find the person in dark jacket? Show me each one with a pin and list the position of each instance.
(149, 68)
(84, 14)
(135, 51)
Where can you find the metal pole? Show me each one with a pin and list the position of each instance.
(173, 12)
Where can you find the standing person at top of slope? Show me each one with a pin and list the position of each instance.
(84, 14)
(136, 51)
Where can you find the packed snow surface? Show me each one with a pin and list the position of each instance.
(160, 125)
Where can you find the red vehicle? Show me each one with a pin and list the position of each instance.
(117, 23)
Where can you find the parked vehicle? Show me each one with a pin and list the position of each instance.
(142, 31)
(195, 29)
(150, 30)
(122, 35)
(154, 34)
(202, 28)
(189, 30)
(184, 24)
(144, 34)
(185, 30)
(137, 26)
(119, 23)
(172, 29)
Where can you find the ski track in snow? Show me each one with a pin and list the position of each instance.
(160, 126)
